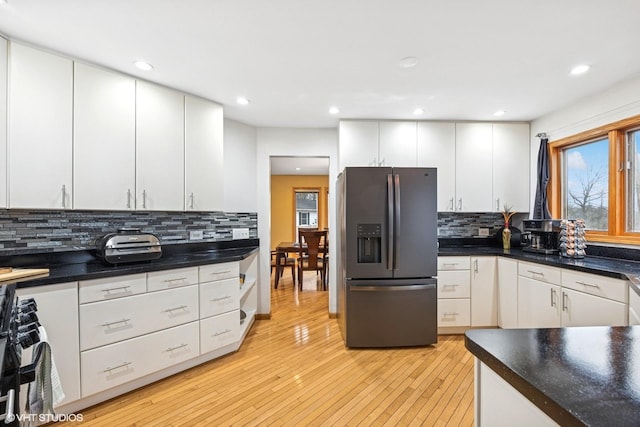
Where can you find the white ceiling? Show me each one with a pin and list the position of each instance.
(296, 58)
(291, 165)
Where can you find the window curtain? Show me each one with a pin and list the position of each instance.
(541, 206)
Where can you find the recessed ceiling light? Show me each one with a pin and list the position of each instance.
(242, 100)
(334, 110)
(579, 69)
(499, 113)
(409, 62)
(142, 65)
(418, 111)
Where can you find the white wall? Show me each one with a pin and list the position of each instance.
(616, 103)
(240, 149)
(292, 142)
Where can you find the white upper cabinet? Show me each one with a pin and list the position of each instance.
(358, 144)
(104, 139)
(474, 167)
(203, 155)
(437, 149)
(40, 129)
(3, 123)
(397, 144)
(510, 164)
(159, 148)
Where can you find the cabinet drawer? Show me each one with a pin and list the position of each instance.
(213, 272)
(601, 286)
(454, 284)
(115, 364)
(219, 297)
(454, 263)
(111, 287)
(454, 312)
(107, 322)
(539, 272)
(159, 280)
(218, 331)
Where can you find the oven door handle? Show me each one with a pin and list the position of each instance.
(8, 416)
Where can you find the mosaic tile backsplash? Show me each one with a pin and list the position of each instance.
(50, 231)
(465, 224)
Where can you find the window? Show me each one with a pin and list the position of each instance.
(586, 183)
(595, 175)
(303, 218)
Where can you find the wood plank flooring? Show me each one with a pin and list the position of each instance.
(294, 370)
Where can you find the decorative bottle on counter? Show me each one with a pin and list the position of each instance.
(506, 237)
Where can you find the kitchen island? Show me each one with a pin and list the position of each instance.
(566, 376)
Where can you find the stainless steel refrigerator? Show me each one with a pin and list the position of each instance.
(387, 256)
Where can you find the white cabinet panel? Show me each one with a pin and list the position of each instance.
(3, 122)
(115, 364)
(40, 129)
(58, 313)
(104, 139)
(454, 263)
(159, 148)
(204, 172)
(219, 297)
(111, 321)
(511, 166)
(218, 331)
(539, 304)
(507, 293)
(454, 312)
(454, 284)
(582, 309)
(474, 167)
(436, 147)
(484, 292)
(225, 270)
(601, 286)
(358, 143)
(542, 273)
(634, 308)
(112, 287)
(168, 279)
(397, 145)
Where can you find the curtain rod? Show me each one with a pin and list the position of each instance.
(541, 135)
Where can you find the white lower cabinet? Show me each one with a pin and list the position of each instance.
(219, 297)
(454, 292)
(581, 309)
(115, 364)
(507, 293)
(484, 292)
(454, 312)
(538, 304)
(218, 331)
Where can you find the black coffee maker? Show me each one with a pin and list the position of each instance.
(540, 235)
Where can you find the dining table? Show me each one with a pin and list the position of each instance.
(284, 248)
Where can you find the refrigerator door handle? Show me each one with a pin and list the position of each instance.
(392, 288)
(396, 216)
(390, 224)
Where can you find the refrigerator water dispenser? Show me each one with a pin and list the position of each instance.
(369, 243)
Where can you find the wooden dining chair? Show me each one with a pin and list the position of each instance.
(310, 257)
(285, 261)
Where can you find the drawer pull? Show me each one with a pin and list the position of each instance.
(219, 272)
(453, 285)
(449, 263)
(448, 314)
(226, 331)
(117, 288)
(124, 365)
(588, 285)
(536, 272)
(170, 349)
(169, 310)
(178, 279)
(221, 299)
(115, 322)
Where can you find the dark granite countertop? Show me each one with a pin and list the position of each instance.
(82, 265)
(611, 267)
(577, 376)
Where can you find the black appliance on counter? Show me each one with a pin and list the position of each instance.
(18, 330)
(540, 235)
(128, 245)
(387, 256)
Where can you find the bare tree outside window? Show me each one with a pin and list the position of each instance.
(587, 183)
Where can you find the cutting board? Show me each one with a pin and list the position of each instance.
(18, 273)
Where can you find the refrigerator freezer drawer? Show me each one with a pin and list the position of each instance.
(383, 315)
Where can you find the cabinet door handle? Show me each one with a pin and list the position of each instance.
(215, 273)
(226, 331)
(178, 279)
(221, 299)
(115, 322)
(123, 365)
(475, 266)
(498, 204)
(536, 272)
(170, 349)
(553, 297)
(589, 285)
(452, 285)
(64, 196)
(450, 314)
(565, 297)
(191, 200)
(144, 199)
(128, 198)
(181, 307)
(117, 288)
(451, 201)
(460, 204)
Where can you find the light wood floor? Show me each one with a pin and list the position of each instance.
(295, 370)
